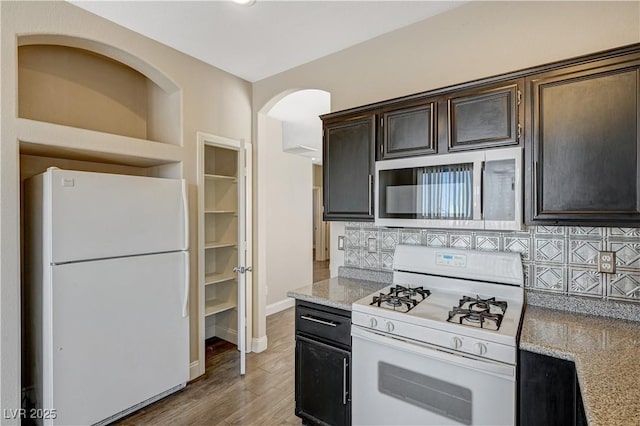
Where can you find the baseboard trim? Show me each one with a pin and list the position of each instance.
(259, 344)
(274, 308)
(227, 334)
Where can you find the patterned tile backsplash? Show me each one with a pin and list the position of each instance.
(556, 259)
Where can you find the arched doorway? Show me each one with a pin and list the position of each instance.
(289, 147)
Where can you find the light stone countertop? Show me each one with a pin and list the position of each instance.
(606, 353)
(338, 292)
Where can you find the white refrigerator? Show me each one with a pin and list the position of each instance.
(105, 312)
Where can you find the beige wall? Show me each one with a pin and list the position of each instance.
(287, 217)
(72, 87)
(476, 40)
(212, 101)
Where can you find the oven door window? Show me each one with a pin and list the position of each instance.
(438, 396)
(435, 192)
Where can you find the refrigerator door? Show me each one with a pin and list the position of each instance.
(119, 335)
(99, 215)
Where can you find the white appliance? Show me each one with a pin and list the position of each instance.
(106, 326)
(439, 346)
(476, 190)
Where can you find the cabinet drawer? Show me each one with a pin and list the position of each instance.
(328, 326)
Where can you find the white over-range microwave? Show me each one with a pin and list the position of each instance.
(471, 190)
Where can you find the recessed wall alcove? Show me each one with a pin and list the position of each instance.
(83, 100)
(65, 84)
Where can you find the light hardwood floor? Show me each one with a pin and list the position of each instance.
(264, 396)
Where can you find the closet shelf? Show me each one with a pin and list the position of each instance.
(232, 179)
(220, 212)
(219, 278)
(215, 306)
(219, 244)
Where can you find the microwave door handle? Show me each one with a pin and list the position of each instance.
(370, 190)
(482, 179)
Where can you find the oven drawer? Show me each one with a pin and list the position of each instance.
(330, 325)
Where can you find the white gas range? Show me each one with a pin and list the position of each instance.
(439, 346)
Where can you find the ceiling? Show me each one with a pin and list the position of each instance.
(269, 37)
(258, 41)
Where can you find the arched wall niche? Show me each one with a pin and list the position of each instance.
(86, 84)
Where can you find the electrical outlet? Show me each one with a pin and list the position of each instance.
(607, 262)
(372, 245)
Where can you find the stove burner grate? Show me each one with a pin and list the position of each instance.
(401, 298)
(481, 305)
(399, 290)
(471, 317)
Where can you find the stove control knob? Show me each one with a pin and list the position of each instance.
(373, 322)
(456, 342)
(481, 348)
(390, 327)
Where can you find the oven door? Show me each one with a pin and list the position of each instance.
(401, 382)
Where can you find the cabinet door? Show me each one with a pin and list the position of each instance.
(322, 379)
(585, 145)
(549, 392)
(408, 130)
(348, 167)
(484, 117)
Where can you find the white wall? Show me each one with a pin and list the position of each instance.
(213, 101)
(286, 181)
(476, 40)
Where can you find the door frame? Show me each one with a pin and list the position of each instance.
(197, 367)
(320, 230)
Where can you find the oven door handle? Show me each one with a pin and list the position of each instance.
(486, 366)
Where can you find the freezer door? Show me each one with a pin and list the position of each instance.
(119, 335)
(99, 215)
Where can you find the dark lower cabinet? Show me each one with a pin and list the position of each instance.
(549, 393)
(323, 365)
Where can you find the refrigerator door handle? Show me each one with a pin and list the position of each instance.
(185, 305)
(185, 205)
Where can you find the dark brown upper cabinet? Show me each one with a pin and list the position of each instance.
(485, 116)
(408, 129)
(583, 149)
(348, 163)
(578, 120)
